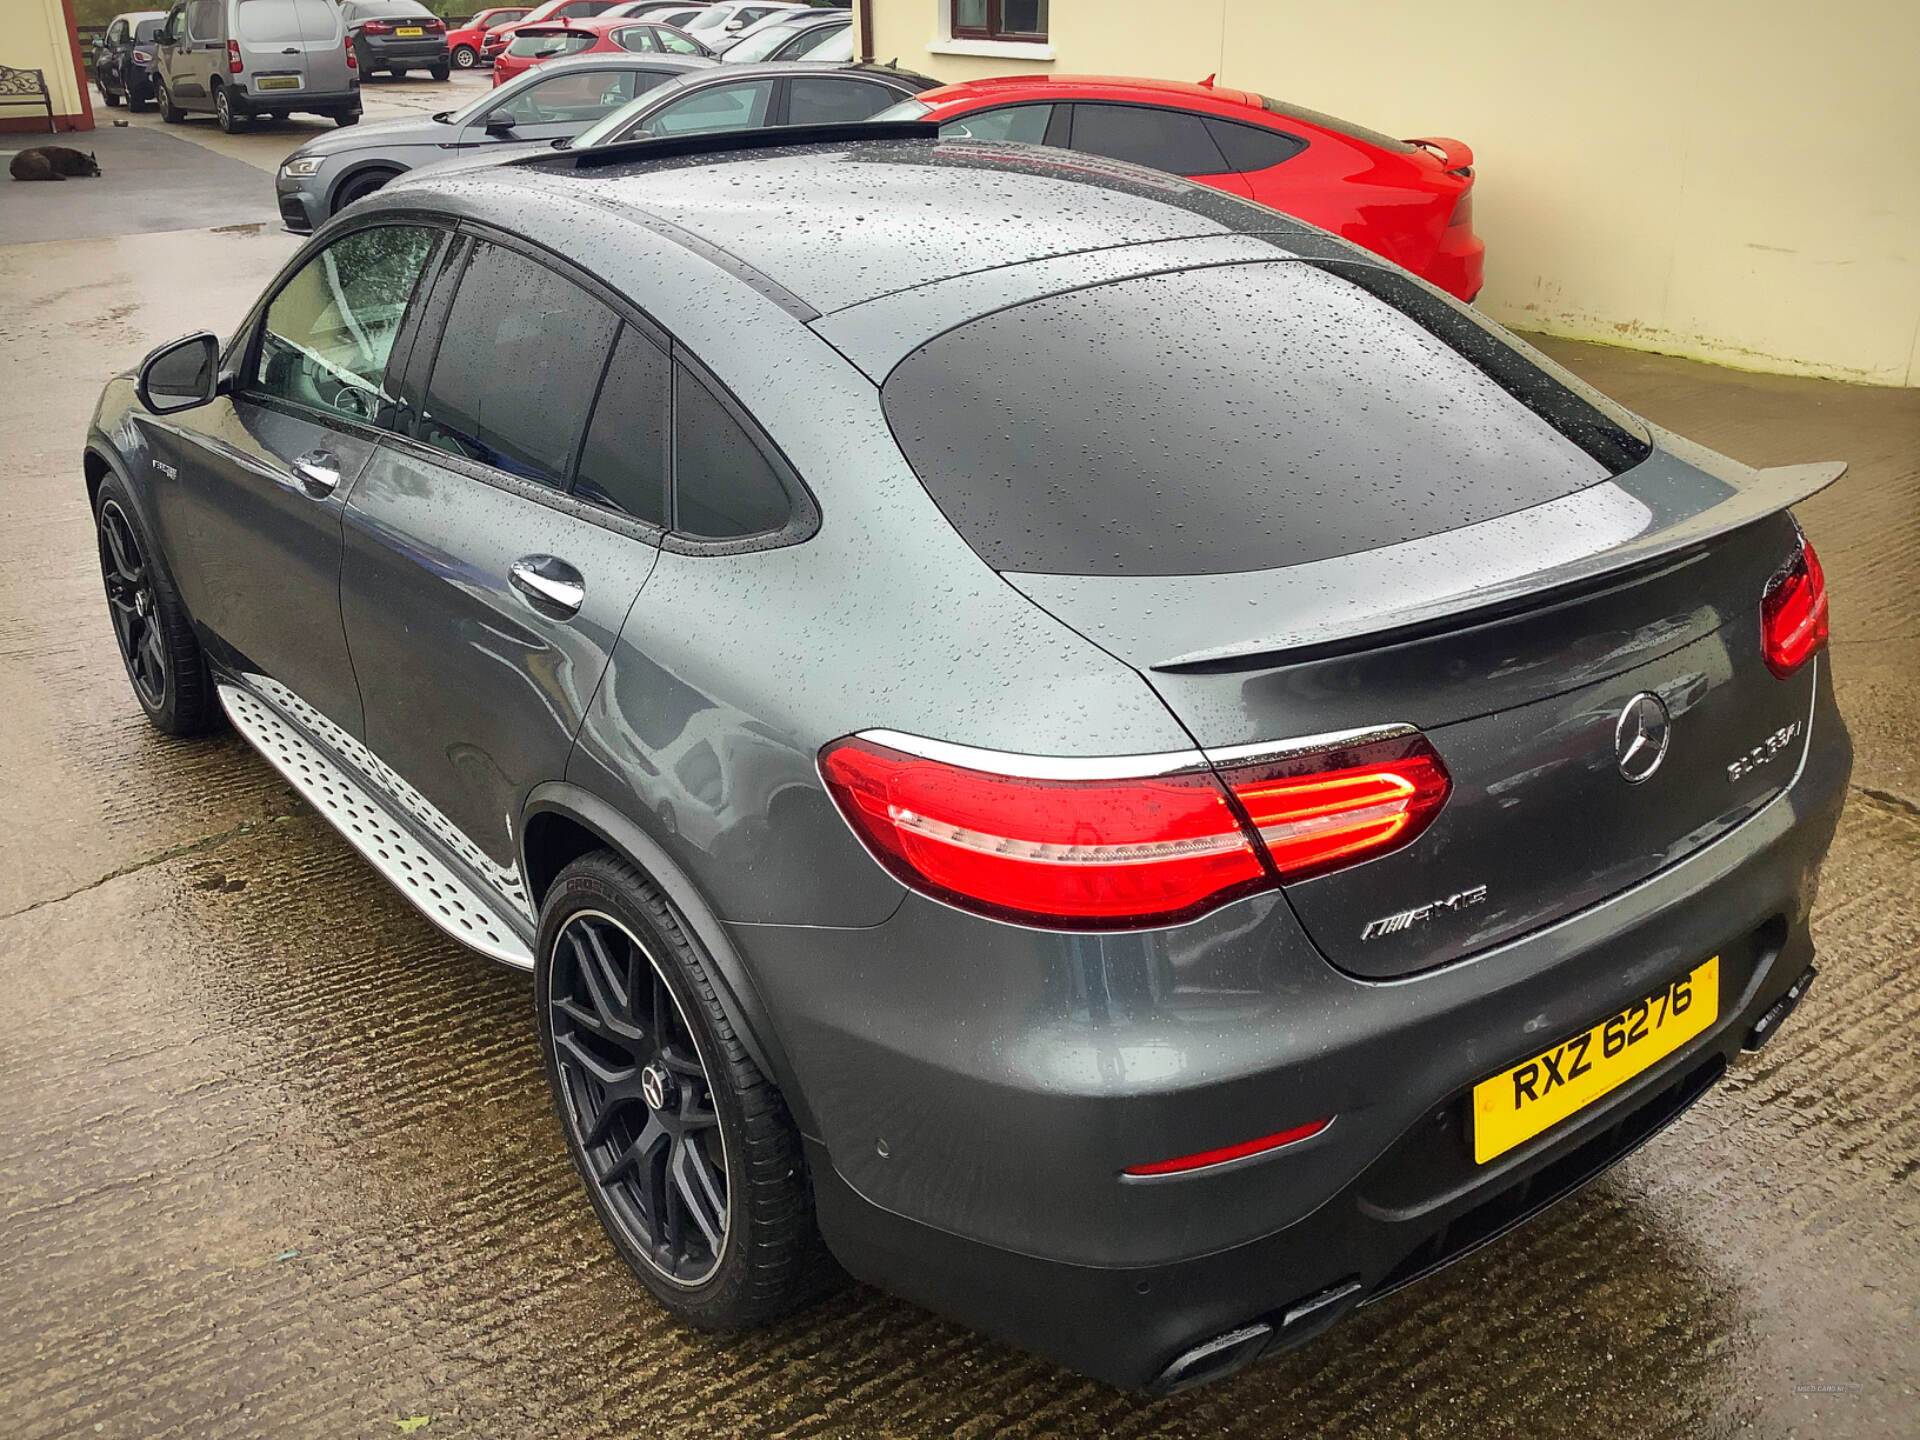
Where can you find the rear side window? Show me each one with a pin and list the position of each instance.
(724, 486)
(623, 465)
(521, 353)
(1026, 124)
(826, 100)
(1240, 417)
(1249, 147)
(1170, 140)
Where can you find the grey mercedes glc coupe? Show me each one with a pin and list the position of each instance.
(1098, 755)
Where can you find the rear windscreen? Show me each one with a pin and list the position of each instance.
(147, 30)
(1239, 417)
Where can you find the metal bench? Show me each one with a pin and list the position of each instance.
(27, 88)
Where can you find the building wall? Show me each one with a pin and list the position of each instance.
(1729, 179)
(39, 35)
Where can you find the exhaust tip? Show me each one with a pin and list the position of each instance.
(1770, 1020)
(1214, 1360)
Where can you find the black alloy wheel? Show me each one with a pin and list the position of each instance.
(638, 1098)
(164, 661)
(689, 1157)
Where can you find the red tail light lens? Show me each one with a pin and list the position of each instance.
(1101, 854)
(234, 64)
(376, 27)
(1319, 811)
(1793, 613)
(353, 60)
(433, 27)
(1226, 1154)
(1079, 854)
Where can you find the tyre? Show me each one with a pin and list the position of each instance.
(346, 118)
(359, 186)
(138, 103)
(687, 1151)
(440, 72)
(157, 644)
(224, 115)
(170, 113)
(112, 97)
(464, 57)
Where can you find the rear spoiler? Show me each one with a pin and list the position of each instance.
(1456, 156)
(1681, 497)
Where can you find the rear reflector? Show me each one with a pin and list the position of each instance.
(1793, 613)
(1225, 1153)
(1132, 852)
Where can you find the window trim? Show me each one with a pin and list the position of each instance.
(994, 29)
(949, 40)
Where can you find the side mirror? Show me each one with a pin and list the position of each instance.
(499, 126)
(181, 375)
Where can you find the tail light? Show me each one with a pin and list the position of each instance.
(1462, 209)
(234, 63)
(376, 27)
(143, 57)
(353, 58)
(1793, 613)
(1129, 850)
(433, 27)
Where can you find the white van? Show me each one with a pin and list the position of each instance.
(237, 59)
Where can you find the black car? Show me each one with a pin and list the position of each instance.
(396, 36)
(1132, 771)
(123, 58)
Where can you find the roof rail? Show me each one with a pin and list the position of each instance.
(717, 142)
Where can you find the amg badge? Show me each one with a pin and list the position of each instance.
(1760, 754)
(1407, 919)
(166, 470)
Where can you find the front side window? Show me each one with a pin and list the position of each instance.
(328, 333)
(999, 19)
(576, 96)
(518, 360)
(637, 38)
(1026, 124)
(821, 42)
(829, 100)
(724, 486)
(116, 32)
(1170, 140)
(718, 107)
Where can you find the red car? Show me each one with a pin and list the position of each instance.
(496, 40)
(1409, 200)
(533, 43)
(465, 42)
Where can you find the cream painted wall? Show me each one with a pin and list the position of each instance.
(1731, 179)
(33, 36)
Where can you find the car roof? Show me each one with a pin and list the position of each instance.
(140, 15)
(993, 86)
(906, 80)
(833, 224)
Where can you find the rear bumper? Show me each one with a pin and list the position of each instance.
(382, 53)
(978, 1088)
(1459, 266)
(306, 102)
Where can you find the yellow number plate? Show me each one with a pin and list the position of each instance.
(278, 82)
(408, 31)
(1534, 1096)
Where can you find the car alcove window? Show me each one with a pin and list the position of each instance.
(1169, 140)
(1249, 147)
(519, 358)
(724, 487)
(829, 100)
(623, 464)
(1026, 124)
(328, 333)
(1240, 417)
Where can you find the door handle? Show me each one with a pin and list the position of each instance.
(549, 583)
(319, 472)
(291, 50)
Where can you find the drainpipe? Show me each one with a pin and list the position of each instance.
(866, 32)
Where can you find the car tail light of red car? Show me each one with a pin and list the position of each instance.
(235, 65)
(1131, 851)
(1793, 613)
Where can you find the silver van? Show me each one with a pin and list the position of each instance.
(246, 59)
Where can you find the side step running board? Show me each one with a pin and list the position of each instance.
(441, 895)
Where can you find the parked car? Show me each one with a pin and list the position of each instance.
(330, 172)
(396, 36)
(1409, 200)
(720, 25)
(745, 97)
(553, 11)
(817, 35)
(1134, 769)
(463, 45)
(123, 58)
(535, 44)
(676, 15)
(254, 59)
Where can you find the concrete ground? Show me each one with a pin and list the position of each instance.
(276, 1159)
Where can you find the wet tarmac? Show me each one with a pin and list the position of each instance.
(276, 1159)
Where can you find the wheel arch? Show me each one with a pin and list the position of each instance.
(367, 167)
(562, 822)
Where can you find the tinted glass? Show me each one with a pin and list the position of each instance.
(329, 331)
(760, 45)
(148, 31)
(1024, 123)
(818, 42)
(1240, 417)
(624, 462)
(723, 486)
(518, 361)
(545, 45)
(578, 96)
(1248, 147)
(827, 100)
(1170, 140)
(719, 107)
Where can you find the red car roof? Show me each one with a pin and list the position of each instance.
(1077, 84)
